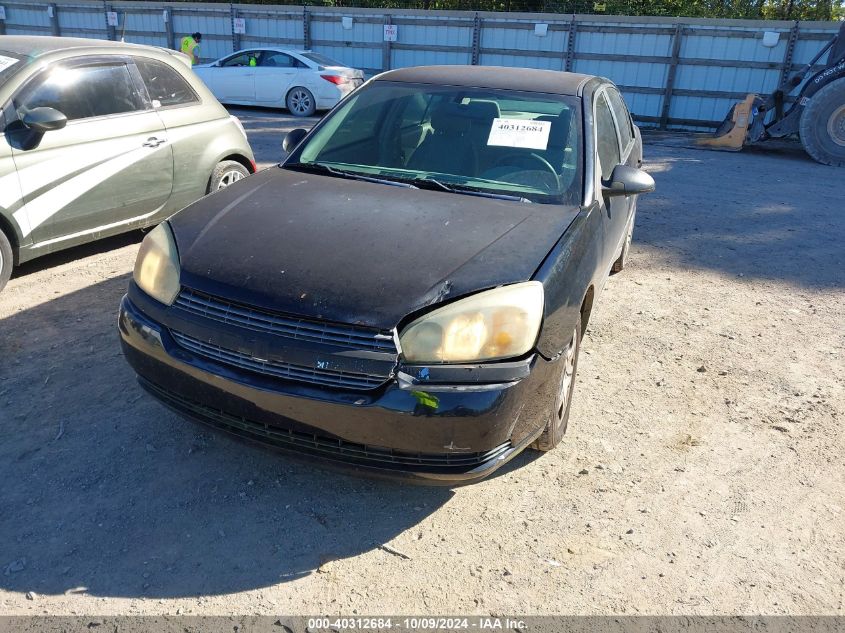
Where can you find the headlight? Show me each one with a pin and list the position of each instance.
(498, 323)
(157, 266)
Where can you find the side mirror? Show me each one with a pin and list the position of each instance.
(293, 138)
(627, 181)
(44, 120)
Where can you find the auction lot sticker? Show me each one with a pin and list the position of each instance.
(520, 133)
(5, 62)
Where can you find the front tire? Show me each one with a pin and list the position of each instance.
(226, 173)
(822, 125)
(559, 417)
(6, 260)
(301, 102)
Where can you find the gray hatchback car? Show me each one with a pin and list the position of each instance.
(101, 138)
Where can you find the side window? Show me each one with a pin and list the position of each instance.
(165, 85)
(279, 60)
(82, 92)
(247, 58)
(606, 140)
(626, 134)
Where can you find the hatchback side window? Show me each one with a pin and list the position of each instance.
(82, 92)
(606, 139)
(622, 117)
(165, 85)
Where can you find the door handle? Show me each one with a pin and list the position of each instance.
(154, 142)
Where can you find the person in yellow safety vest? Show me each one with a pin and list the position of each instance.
(190, 46)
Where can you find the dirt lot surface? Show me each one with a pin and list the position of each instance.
(702, 471)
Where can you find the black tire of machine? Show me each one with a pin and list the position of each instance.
(822, 126)
(559, 415)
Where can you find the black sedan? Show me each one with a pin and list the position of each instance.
(406, 293)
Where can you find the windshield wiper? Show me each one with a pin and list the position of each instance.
(322, 168)
(431, 183)
(426, 183)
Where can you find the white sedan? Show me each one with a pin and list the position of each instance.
(301, 81)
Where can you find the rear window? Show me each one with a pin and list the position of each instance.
(164, 85)
(322, 59)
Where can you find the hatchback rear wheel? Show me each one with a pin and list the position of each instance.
(6, 260)
(226, 173)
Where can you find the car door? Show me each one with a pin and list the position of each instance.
(189, 123)
(615, 209)
(234, 79)
(274, 76)
(110, 165)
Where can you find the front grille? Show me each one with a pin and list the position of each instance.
(224, 311)
(277, 369)
(321, 446)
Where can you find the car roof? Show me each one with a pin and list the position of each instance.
(277, 49)
(524, 79)
(37, 45)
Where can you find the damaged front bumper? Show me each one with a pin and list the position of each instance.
(437, 425)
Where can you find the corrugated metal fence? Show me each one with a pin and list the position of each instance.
(674, 72)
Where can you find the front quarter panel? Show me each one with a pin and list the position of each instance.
(11, 198)
(199, 143)
(573, 266)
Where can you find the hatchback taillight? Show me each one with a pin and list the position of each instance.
(335, 79)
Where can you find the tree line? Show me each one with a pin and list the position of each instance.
(747, 9)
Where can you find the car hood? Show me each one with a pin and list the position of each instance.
(357, 252)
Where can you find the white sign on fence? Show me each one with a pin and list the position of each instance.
(50, 11)
(2, 13)
(540, 29)
(771, 38)
(165, 15)
(390, 32)
(346, 22)
(111, 18)
(239, 25)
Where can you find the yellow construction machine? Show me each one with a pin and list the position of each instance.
(817, 114)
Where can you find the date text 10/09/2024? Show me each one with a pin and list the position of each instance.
(412, 623)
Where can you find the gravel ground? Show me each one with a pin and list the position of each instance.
(702, 472)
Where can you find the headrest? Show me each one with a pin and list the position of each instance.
(559, 134)
(482, 110)
(450, 118)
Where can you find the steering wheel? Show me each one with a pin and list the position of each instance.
(529, 162)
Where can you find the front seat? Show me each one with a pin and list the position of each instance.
(558, 138)
(481, 113)
(449, 149)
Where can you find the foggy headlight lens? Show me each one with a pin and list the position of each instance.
(498, 323)
(157, 266)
